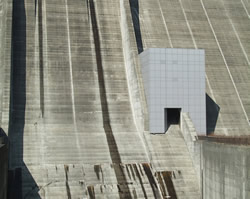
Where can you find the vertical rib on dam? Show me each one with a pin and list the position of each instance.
(74, 109)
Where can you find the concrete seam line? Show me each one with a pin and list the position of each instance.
(195, 45)
(225, 62)
(45, 38)
(46, 62)
(165, 24)
(123, 22)
(244, 6)
(189, 28)
(237, 35)
(212, 93)
(71, 75)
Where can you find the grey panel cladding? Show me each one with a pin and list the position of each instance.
(174, 78)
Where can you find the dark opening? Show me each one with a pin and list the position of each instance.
(172, 116)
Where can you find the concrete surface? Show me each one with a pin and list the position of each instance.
(191, 140)
(73, 102)
(70, 103)
(226, 174)
(222, 29)
(221, 162)
(5, 69)
(133, 68)
(3, 23)
(169, 153)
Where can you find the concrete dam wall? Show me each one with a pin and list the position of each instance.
(221, 162)
(226, 174)
(3, 23)
(72, 100)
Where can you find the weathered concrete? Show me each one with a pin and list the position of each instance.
(169, 153)
(221, 28)
(222, 168)
(70, 102)
(5, 52)
(6, 61)
(133, 68)
(73, 99)
(3, 28)
(225, 171)
(191, 139)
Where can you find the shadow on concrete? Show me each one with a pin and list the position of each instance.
(41, 68)
(3, 164)
(18, 172)
(134, 8)
(212, 113)
(3, 137)
(113, 149)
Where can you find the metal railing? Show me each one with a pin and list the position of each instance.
(235, 140)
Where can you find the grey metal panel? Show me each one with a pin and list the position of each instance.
(174, 78)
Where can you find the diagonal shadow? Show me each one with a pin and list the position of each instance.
(134, 8)
(114, 153)
(3, 164)
(18, 172)
(212, 113)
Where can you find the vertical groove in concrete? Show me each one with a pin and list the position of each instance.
(18, 82)
(167, 176)
(114, 153)
(140, 180)
(41, 68)
(236, 34)
(225, 62)
(151, 179)
(66, 169)
(134, 7)
(165, 24)
(71, 78)
(245, 8)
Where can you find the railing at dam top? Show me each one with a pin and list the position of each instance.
(190, 135)
(234, 140)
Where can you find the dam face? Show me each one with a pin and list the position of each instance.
(72, 99)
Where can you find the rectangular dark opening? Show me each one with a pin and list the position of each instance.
(172, 116)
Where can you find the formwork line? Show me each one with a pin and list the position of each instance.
(45, 36)
(111, 141)
(165, 24)
(196, 47)
(41, 55)
(237, 35)
(225, 62)
(45, 65)
(244, 6)
(124, 21)
(45, 29)
(71, 75)
(189, 28)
